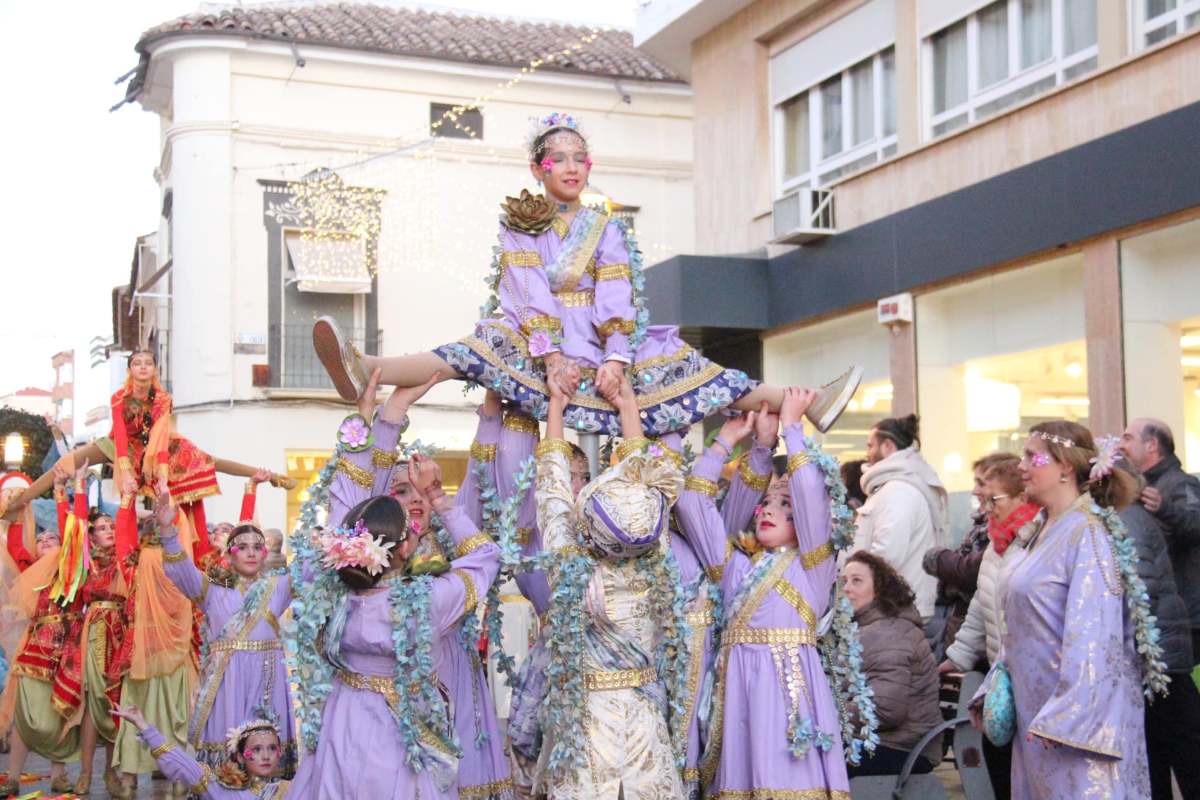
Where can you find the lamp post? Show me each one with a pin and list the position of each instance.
(14, 450)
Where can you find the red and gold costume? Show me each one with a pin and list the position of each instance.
(147, 447)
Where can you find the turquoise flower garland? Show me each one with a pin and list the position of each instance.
(316, 592)
(841, 515)
(421, 712)
(668, 603)
(841, 654)
(1137, 598)
(637, 280)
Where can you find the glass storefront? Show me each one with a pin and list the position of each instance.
(1160, 286)
(820, 352)
(996, 356)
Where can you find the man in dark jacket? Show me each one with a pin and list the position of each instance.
(1167, 518)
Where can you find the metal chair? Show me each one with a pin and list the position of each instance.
(906, 786)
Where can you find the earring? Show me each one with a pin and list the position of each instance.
(1062, 478)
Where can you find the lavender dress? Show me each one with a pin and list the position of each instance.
(360, 754)
(243, 675)
(570, 289)
(768, 671)
(178, 766)
(1077, 687)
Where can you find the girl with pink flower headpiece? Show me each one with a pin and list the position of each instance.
(567, 282)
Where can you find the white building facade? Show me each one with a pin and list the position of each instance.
(229, 295)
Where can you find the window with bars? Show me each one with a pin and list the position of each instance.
(1004, 53)
(843, 124)
(1156, 20)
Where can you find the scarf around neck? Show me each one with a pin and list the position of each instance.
(1003, 532)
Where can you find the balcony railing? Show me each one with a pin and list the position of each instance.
(294, 363)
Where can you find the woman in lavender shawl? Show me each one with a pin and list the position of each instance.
(1077, 685)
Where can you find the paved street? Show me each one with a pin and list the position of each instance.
(39, 766)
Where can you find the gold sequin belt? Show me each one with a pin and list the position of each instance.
(380, 684)
(792, 636)
(249, 645)
(583, 299)
(700, 618)
(111, 604)
(619, 679)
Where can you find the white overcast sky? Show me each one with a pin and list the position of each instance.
(78, 181)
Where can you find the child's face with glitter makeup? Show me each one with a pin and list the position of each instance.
(774, 525)
(260, 754)
(564, 166)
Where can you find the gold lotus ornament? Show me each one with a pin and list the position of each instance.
(529, 213)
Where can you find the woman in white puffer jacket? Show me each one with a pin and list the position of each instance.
(1011, 522)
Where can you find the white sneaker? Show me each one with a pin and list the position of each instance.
(341, 359)
(832, 399)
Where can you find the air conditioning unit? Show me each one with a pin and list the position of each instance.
(803, 216)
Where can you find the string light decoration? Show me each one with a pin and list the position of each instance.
(331, 211)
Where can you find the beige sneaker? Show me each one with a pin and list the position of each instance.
(341, 359)
(832, 399)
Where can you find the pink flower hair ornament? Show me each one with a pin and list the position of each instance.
(547, 164)
(354, 547)
(1108, 451)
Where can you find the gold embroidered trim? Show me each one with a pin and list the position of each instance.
(97, 605)
(245, 646)
(609, 680)
(523, 536)
(519, 423)
(471, 544)
(559, 226)
(548, 446)
(631, 447)
(482, 791)
(700, 618)
(585, 253)
(582, 299)
(162, 750)
(381, 459)
(677, 389)
(752, 479)
(251, 488)
(671, 455)
(202, 785)
(793, 598)
(797, 460)
(694, 483)
(483, 452)
(787, 636)
(469, 587)
(715, 573)
(520, 258)
(613, 272)
(615, 325)
(691, 775)
(363, 477)
(541, 322)
(1087, 748)
(816, 556)
(174, 558)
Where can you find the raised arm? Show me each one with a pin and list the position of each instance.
(175, 764)
(250, 495)
(810, 498)
(180, 569)
(483, 456)
(16, 546)
(552, 490)
(614, 315)
(696, 509)
(753, 475)
(518, 438)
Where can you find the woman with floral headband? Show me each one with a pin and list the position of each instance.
(567, 282)
(1076, 688)
(375, 626)
(775, 725)
(249, 768)
(242, 673)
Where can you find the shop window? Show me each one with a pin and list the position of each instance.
(996, 356)
(1004, 53)
(1160, 286)
(814, 355)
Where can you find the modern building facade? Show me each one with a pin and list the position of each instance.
(1018, 181)
(312, 162)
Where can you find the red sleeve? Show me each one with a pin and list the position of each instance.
(63, 510)
(127, 528)
(248, 500)
(81, 507)
(120, 436)
(16, 547)
(162, 406)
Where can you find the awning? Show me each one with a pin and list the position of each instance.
(328, 263)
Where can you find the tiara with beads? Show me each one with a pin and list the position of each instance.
(1050, 437)
(558, 120)
(253, 726)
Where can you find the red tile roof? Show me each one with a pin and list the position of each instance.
(31, 391)
(448, 36)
